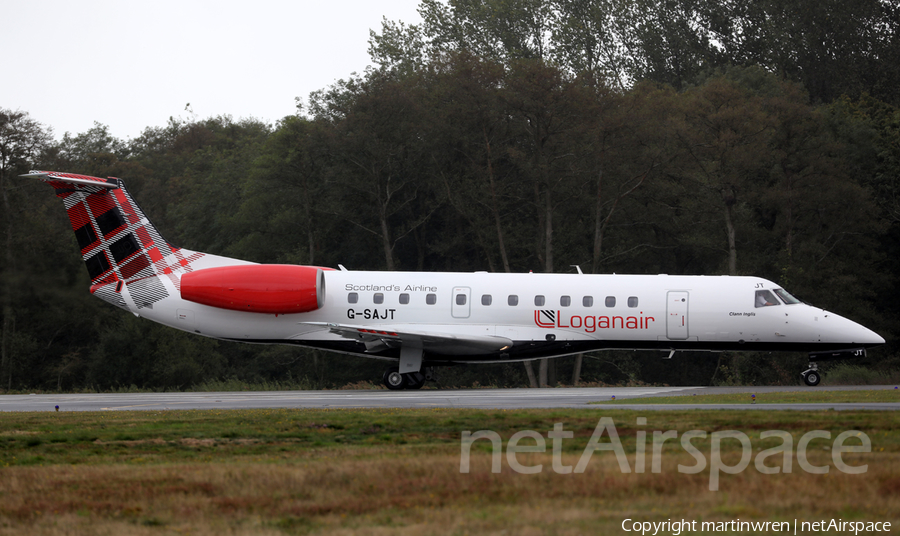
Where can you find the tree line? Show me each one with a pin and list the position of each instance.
(620, 136)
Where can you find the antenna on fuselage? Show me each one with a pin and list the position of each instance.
(577, 268)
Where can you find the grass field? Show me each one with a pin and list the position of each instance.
(790, 397)
(374, 471)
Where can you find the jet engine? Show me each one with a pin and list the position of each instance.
(257, 288)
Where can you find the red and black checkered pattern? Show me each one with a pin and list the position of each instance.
(118, 242)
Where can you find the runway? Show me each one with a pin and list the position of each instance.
(427, 398)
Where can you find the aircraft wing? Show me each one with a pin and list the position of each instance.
(438, 343)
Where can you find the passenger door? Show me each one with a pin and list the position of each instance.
(677, 315)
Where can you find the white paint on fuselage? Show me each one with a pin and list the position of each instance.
(720, 309)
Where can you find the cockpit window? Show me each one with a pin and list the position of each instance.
(786, 296)
(765, 298)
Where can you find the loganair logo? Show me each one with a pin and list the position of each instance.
(545, 318)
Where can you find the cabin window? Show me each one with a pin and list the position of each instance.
(352, 297)
(539, 300)
(587, 301)
(404, 299)
(431, 299)
(610, 301)
(765, 298)
(565, 301)
(379, 297)
(632, 301)
(460, 299)
(786, 296)
(512, 300)
(486, 299)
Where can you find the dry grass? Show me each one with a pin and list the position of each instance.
(261, 483)
(421, 493)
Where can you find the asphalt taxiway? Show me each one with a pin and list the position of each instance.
(427, 398)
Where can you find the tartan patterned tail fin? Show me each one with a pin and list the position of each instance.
(119, 244)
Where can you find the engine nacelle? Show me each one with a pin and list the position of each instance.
(257, 288)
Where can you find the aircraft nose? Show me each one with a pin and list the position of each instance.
(874, 339)
(842, 330)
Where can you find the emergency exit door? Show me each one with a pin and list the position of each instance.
(460, 305)
(677, 315)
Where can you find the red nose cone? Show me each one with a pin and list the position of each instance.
(257, 288)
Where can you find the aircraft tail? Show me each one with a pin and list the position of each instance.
(119, 244)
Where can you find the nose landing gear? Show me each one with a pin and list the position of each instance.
(811, 376)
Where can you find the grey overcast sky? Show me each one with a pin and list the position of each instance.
(130, 65)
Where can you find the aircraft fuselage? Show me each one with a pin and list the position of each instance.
(421, 320)
(544, 315)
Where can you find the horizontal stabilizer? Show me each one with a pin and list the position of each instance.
(72, 178)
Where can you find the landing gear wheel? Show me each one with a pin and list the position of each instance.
(415, 380)
(393, 380)
(812, 378)
(811, 375)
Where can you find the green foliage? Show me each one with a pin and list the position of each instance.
(849, 374)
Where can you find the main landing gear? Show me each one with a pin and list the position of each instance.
(811, 376)
(394, 380)
(409, 372)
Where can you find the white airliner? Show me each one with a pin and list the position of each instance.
(417, 320)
